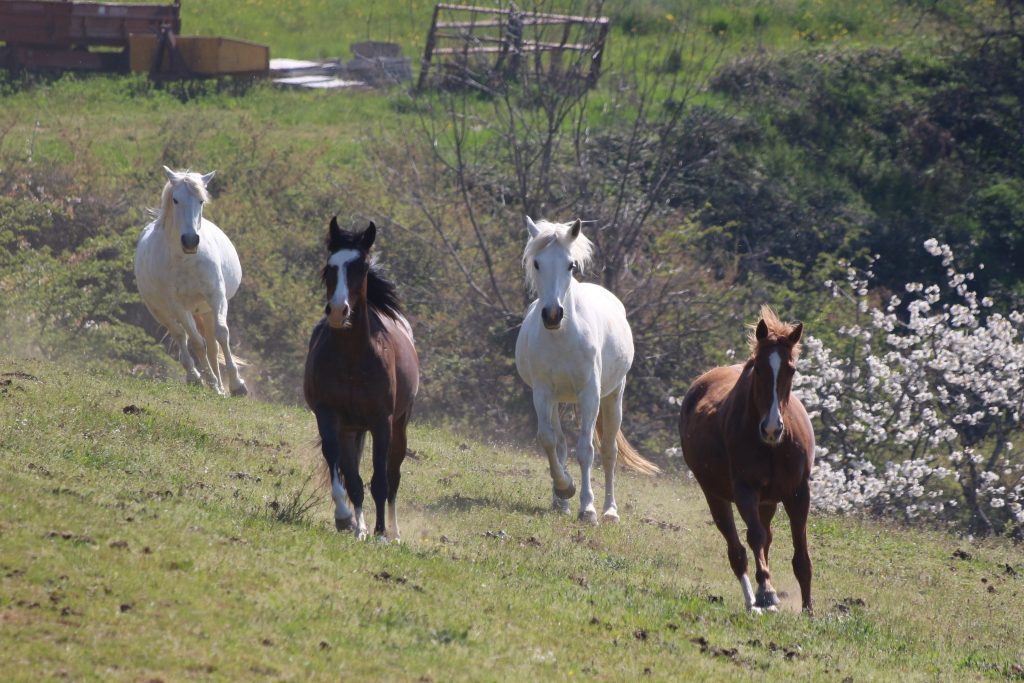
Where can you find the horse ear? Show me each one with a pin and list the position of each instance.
(334, 236)
(532, 227)
(369, 235)
(762, 330)
(794, 336)
(207, 178)
(171, 175)
(576, 227)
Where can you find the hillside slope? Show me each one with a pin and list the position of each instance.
(151, 531)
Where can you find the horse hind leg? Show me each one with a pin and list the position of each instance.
(721, 512)
(609, 420)
(797, 507)
(396, 455)
(379, 481)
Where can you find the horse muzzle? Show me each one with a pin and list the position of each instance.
(338, 316)
(771, 434)
(190, 243)
(552, 317)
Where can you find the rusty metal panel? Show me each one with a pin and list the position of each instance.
(51, 23)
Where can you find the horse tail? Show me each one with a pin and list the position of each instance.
(239, 361)
(628, 456)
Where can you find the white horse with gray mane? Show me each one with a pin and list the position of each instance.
(575, 346)
(187, 270)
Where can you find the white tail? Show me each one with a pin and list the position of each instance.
(239, 361)
(628, 456)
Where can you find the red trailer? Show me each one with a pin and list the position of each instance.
(61, 35)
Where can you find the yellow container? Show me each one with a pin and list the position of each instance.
(201, 55)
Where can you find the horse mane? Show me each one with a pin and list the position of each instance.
(381, 293)
(193, 181)
(580, 249)
(778, 332)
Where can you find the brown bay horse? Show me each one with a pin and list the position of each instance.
(748, 441)
(362, 374)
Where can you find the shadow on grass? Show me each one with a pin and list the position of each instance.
(458, 503)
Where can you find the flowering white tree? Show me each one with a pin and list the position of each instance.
(916, 414)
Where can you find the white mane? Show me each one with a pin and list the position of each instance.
(193, 181)
(580, 249)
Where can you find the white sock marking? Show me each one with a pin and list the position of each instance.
(748, 592)
(341, 510)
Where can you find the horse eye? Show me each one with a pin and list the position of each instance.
(536, 266)
(572, 267)
(175, 200)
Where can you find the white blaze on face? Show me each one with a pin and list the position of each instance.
(340, 260)
(773, 422)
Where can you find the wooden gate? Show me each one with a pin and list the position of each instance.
(491, 42)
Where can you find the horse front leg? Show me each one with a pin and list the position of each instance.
(198, 347)
(180, 337)
(223, 336)
(610, 417)
(721, 512)
(206, 327)
(748, 503)
(351, 453)
(330, 445)
(766, 596)
(379, 482)
(547, 436)
(560, 505)
(589, 404)
(797, 507)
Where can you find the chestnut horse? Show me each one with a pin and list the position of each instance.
(362, 374)
(748, 441)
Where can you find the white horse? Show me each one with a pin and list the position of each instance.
(575, 346)
(187, 269)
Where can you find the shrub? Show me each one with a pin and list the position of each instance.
(917, 408)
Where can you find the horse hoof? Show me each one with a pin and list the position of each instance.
(588, 517)
(767, 599)
(610, 516)
(755, 611)
(566, 494)
(360, 534)
(343, 524)
(240, 390)
(560, 506)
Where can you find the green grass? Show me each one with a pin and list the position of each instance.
(168, 541)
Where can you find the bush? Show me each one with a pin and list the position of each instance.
(917, 409)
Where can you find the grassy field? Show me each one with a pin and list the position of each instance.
(151, 531)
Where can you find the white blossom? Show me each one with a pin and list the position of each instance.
(912, 417)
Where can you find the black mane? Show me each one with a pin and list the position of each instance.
(382, 294)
